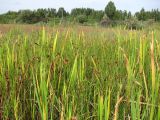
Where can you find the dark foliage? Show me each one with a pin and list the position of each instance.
(82, 19)
(80, 15)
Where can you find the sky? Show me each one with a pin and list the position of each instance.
(129, 5)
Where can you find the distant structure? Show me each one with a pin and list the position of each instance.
(105, 22)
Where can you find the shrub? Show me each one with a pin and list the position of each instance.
(133, 24)
(82, 19)
(105, 22)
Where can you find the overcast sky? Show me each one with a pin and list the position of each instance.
(130, 5)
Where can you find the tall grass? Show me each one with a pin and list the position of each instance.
(80, 74)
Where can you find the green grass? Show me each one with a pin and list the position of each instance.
(83, 74)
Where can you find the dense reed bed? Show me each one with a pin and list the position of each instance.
(99, 74)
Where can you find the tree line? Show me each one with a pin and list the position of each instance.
(79, 15)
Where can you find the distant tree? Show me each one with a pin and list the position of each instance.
(89, 11)
(110, 10)
(9, 17)
(91, 14)
(76, 12)
(142, 15)
(156, 15)
(41, 13)
(25, 16)
(80, 15)
(129, 15)
(125, 15)
(61, 13)
(118, 15)
(99, 15)
(52, 12)
(30, 17)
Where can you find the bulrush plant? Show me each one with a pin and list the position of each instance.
(80, 73)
